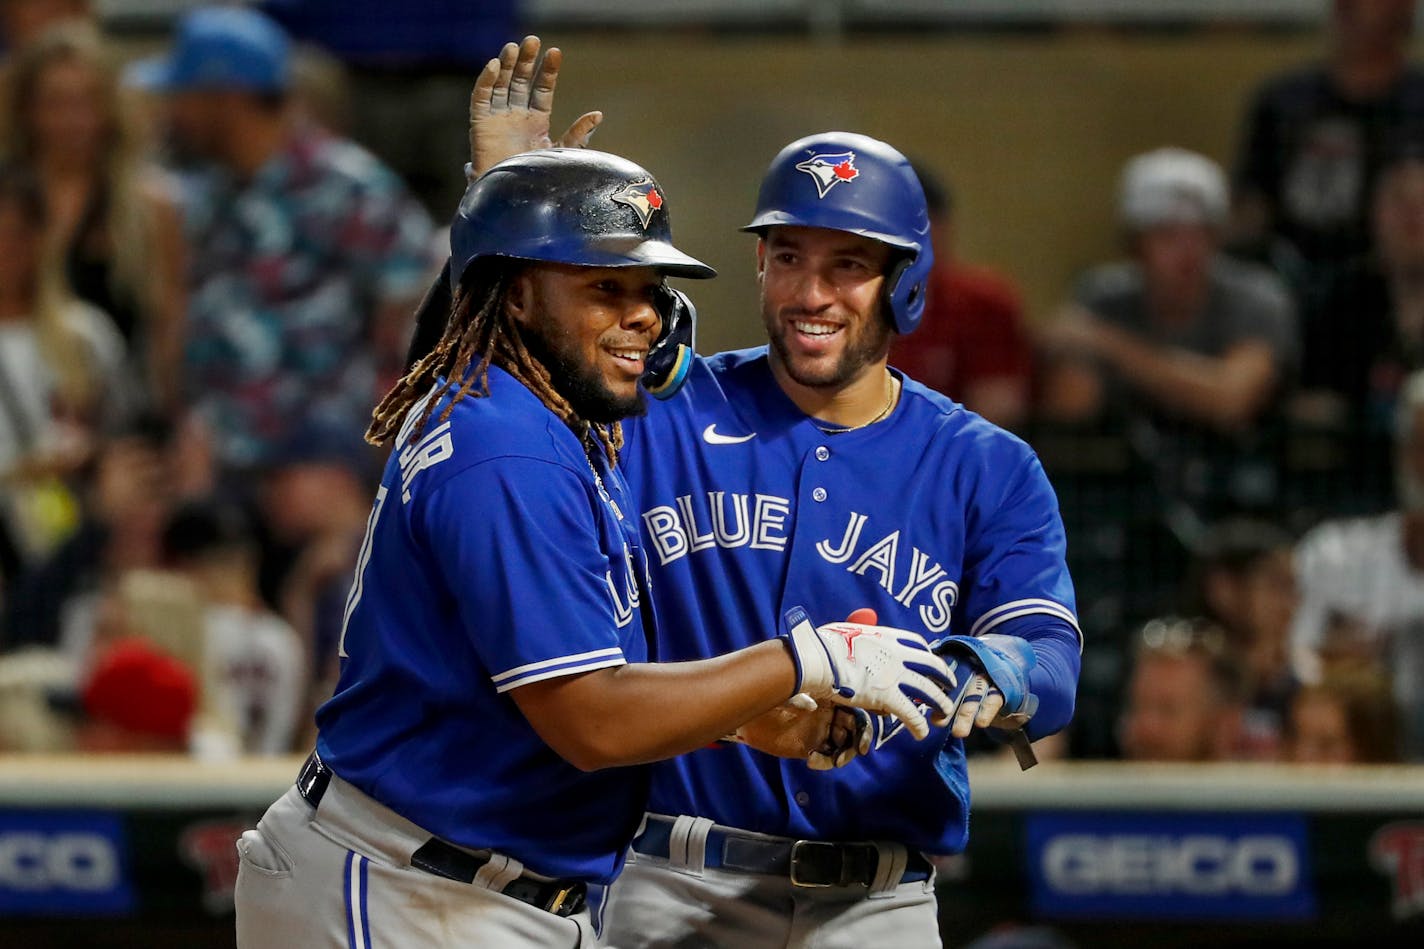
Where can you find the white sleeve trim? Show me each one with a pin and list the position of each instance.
(1017, 608)
(558, 666)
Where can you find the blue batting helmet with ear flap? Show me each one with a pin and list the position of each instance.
(858, 184)
(572, 206)
(567, 206)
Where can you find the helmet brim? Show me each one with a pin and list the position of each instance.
(613, 252)
(770, 219)
(624, 252)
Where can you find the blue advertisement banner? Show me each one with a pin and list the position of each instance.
(67, 863)
(1169, 866)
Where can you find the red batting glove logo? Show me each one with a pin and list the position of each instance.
(849, 634)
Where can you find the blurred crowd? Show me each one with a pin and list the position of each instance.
(1233, 417)
(204, 287)
(205, 284)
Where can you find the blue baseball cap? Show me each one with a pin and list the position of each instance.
(220, 48)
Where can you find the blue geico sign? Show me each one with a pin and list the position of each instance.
(1194, 866)
(62, 863)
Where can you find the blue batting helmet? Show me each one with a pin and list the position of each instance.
(858, 184)
(567, 206)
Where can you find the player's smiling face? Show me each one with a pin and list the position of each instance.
(821, 303)
(591, 327)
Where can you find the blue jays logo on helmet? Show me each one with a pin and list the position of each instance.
(643, 197)
(567, 206)
(829, 170)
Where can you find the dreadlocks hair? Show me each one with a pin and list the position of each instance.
(479, 333)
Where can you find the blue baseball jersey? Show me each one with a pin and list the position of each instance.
(495, 557)
(941, 522)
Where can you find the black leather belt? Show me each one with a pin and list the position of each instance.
(812, 863)
(435, 856)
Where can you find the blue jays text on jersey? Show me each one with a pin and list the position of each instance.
(939, 521)
(496, 556)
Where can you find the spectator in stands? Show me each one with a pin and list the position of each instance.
(321, 91)
(137, 698)
(1314, 139)
(972, 345)
(1184, 696)
(29, 720)
(1244, 581)
(23, 20)
(128, 498)
(1185, 346)
(112, 213)
(308, 254)
(315, 506)
(1362, 584)
(1346, 719)
(1368, 334)
(61, 379)
(253, 668)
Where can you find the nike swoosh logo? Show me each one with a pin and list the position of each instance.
(711, 437)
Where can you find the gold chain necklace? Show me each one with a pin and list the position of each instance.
(884, 413)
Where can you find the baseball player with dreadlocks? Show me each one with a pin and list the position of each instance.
(483, 758)
(809, 471)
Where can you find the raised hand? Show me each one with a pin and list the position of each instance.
(512, 103)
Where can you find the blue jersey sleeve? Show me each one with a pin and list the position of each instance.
(526, 534)
(1016, 582)
(1054, 677)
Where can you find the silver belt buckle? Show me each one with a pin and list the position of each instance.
(796, 862)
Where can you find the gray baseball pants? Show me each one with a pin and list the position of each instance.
(339, 877)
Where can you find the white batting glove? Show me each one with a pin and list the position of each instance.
(877, 668)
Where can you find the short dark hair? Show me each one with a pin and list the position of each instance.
(199, 529)
(1234, 547)
(1240, 543)
(149, 426)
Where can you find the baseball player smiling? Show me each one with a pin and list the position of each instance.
(483, 760)
(808, 471)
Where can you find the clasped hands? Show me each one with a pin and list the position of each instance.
(839, 713)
